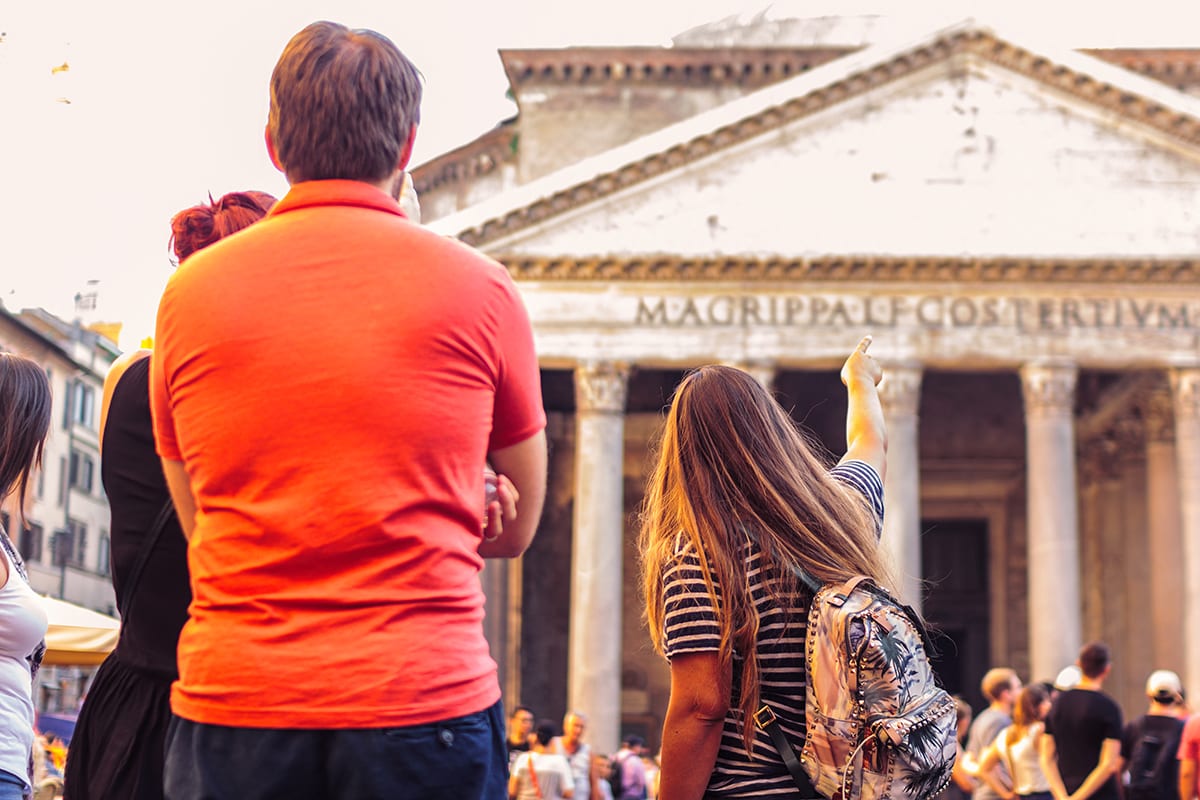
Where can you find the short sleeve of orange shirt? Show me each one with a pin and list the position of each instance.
(332, 379)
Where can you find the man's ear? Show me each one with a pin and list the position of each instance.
(406, 153)
(271, 150)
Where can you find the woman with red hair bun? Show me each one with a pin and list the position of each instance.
(117, 750)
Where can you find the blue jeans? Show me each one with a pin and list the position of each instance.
(11, 787)
(457, 759)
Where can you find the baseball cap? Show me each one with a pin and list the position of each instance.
(1163, 685)
(1068, 679)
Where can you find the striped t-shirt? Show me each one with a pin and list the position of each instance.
(691, 626)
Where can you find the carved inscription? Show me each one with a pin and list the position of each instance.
(1026, 314)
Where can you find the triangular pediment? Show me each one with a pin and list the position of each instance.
(961, 144)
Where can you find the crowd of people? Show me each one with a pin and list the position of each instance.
(1066, 740)
(544, 765)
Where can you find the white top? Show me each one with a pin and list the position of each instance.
(581, 766)
(22, 629)
(553, 774)
(1021, 758)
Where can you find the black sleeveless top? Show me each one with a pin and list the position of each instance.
(133, 480)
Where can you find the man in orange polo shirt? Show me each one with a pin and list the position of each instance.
(326, 387)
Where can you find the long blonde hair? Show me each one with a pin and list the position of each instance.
(733, 465)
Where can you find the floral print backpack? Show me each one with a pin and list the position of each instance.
(878, 726)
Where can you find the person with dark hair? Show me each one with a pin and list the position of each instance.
(117, 749)
(541, 774)
(327, 387)
(1081, 748)
(628, 773)
(24, 423)
(742, 517)
(520, 733)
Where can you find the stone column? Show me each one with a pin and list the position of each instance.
(1164, 533)
(1053, 545)
(494, 580)
(597, 553)
(1185, 386)
(900, 395)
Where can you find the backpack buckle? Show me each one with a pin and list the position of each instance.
(764, 717)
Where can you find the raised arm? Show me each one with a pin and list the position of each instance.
(866, 435)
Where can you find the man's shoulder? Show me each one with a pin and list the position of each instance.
(989, 722)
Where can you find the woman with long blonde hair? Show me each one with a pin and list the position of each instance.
(742, 519)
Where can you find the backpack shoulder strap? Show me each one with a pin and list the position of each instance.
(846, 589)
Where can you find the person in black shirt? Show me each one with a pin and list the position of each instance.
(1081, 751)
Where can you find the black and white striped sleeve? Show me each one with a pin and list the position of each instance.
(690, 622)
(863, 477)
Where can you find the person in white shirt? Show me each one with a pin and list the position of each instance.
(578, 754)
(541, 774)
(24, 422)
(1018, 749)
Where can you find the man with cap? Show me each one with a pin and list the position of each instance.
(1150, 742)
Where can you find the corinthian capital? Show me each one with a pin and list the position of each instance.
(1049, 389)
(1185, 387)
(1159, 416)
(601, 387)
(900, 390)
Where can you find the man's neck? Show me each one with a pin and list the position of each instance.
(1091, 684)
(1003, 708)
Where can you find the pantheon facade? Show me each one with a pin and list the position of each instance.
(1017, 223)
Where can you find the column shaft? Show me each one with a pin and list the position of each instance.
(900, 395)
(594, 669)
(1166, 539)
(1054, 599)
(1185, 386)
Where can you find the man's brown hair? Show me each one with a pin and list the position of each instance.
(1094, 658)
(343, 103)
(996, 681)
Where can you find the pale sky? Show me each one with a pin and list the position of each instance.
(167, 102)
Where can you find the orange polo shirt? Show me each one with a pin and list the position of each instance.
(332, 379)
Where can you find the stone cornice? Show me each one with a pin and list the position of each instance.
(1174, 67)
(882, 268)
(675, 66)
(982, 44)
(478, 157)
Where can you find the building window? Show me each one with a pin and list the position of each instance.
(83, 470)
(70, 545)
(79, 543)
(81, 404)
(30, 542)
(102, 565)
(41, 483)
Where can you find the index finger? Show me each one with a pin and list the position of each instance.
(865, 343)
